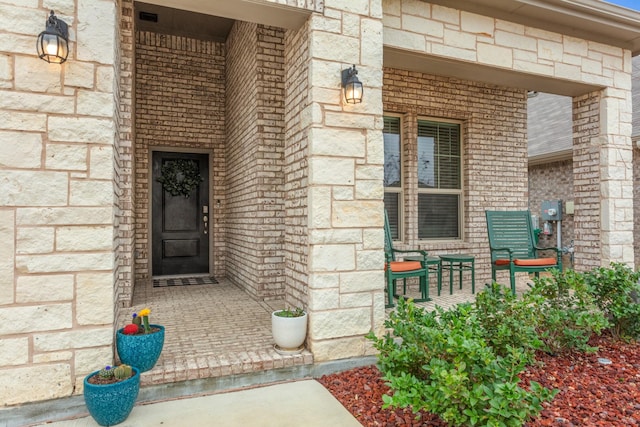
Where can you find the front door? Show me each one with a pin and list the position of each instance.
(180, 213)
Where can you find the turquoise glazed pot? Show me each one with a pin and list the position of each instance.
(111, 404)
(141, 351)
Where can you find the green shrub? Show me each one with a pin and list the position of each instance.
(440, 362)
(507, 322)
(567, 313)
(616, 292)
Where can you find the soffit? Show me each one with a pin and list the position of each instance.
(182, 23)
(266, 13)
(588, 19)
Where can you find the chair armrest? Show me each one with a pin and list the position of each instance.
(508, 250)
(420, 251)
(414, 251)
(553, 248)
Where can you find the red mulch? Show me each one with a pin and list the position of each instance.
(591, 393)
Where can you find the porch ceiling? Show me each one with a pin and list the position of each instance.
(266, 13)
(407, 60)
(589, 19)
(182, 23)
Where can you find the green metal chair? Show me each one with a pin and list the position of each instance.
(513, 248)
(396, 268)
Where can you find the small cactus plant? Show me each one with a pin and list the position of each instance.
(139, 321)
(144, 313)
(123, 372)
(111, 374)
(106, 372)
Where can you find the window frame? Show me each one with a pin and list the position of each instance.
(399, 190)
(460, 192)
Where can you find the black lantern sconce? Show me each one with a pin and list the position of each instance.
(352, 86)
(53, 42)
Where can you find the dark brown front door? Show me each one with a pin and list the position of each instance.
(180, 221)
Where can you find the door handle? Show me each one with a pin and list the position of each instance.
(205, 220)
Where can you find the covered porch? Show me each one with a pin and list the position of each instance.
(296, 175)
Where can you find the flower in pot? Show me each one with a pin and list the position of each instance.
(140, 343)
(111, 393)
(289, 329)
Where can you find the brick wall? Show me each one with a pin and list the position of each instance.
(124, 215)
(553, 181)
(636, 202)
(296, 172)
(586, 167)
(494, 152)
(180, 103)
(254, 153)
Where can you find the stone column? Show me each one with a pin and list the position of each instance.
(616, 175)
(345, 170)
(58, 201)
(603, 176)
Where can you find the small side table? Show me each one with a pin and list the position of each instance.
(459, 263)
(433, 264)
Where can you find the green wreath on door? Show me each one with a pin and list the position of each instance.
(180, 177)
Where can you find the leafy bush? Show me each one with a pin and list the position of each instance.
(567, 314)
(440, 362)
(616, 291)
(507, 322)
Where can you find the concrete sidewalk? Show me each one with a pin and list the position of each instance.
(299, 403)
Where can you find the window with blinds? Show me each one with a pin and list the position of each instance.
(392, 174)
(439, 180)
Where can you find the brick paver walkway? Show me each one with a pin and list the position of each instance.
(216, 330)
(211, 331)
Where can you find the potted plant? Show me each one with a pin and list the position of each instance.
(289, 330)
(110, 393)
(139, 344)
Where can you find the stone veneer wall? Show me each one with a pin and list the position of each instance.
(444, 32)
(59, 166)
(316, 5)
(553, 181)
(180, 104)
(493, 121)
(345, 289)
(254, 154)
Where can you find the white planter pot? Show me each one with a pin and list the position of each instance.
(289, 333)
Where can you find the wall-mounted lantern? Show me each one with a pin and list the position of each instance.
(352, 86)
(53, 42)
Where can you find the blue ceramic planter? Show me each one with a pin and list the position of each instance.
(111, 404)
(141, 351)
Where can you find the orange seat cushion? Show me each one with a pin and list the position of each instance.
(528, 262)
(535, 262)
(399, 266)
